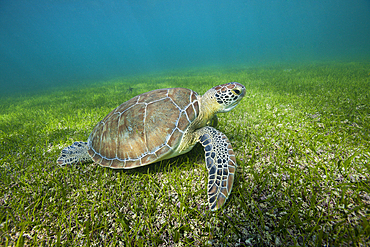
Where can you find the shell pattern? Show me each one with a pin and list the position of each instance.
(143, 130)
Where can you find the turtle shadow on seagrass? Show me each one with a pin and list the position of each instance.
(162, 124)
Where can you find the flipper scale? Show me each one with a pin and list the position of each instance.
(220, 162)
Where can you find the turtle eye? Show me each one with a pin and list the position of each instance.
(237, 91)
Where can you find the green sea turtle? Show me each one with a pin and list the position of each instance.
(162, 124)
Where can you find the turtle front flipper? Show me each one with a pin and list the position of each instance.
(221, 164)
(73, 154)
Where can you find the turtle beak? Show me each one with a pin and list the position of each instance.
(243, 92)
(230, 107)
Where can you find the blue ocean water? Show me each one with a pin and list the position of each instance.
(48, 43)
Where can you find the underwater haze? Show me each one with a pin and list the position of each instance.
(47, 44)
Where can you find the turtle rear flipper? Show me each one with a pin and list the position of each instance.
(221, 164)
(73, 154)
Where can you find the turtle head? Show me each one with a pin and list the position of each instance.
(225, 97)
